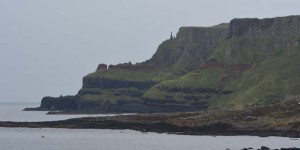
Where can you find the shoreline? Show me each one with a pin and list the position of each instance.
(217, 128)
(281, 119)
(249, 147)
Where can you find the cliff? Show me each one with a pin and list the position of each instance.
(265, 28)
(189, 50)
(244, 63)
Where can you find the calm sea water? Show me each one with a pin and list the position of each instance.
(92, 139)
(13, 112)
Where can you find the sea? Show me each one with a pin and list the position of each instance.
(103, 139)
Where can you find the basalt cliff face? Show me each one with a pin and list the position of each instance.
(243, 63)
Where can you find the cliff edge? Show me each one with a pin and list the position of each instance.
(246, 62)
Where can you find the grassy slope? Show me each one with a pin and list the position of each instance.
(197, 79)
(125, 75)
(109, 95)
(268, 81)
(273, 74)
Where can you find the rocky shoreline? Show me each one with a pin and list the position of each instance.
(281, 119)
(157, 124)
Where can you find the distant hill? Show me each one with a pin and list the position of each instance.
(242, 63)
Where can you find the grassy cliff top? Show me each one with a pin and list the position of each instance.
(237, 64)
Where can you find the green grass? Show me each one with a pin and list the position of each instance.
(268, 81)
(91, 90)
(153, 75)
(107, 95)
(198, 79)
(274, 73)
(205, 79)
(125, 75)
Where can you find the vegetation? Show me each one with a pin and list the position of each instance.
(249, 67)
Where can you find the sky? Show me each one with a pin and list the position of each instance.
(47, 46)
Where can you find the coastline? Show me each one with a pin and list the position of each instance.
(280, 119)
(159, 123)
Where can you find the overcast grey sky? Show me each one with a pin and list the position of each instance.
(47, 46)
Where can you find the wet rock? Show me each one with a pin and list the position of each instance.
(247, 148)
(250, 118)
(294, 148)
(264, 148)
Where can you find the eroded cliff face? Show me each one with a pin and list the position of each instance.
(189, 50)
(265, 28)
(246, 62)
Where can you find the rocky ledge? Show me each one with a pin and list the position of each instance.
(281, 119)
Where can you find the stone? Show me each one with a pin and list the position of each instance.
(250, 118)
(264, 148)
(102, 67)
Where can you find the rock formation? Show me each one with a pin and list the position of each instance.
(244, 63)
(102, 67)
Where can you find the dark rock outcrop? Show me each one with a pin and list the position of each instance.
(60, 103)
(102, 67)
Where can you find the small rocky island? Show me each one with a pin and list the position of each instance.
(237, 78)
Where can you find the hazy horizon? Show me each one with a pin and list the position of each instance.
(46, 47)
